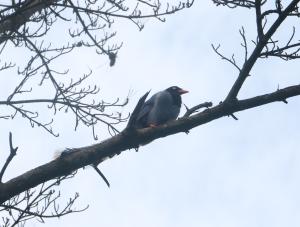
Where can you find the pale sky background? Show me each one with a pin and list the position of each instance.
(226, 173)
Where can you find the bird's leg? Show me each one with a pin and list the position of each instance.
(153, 126)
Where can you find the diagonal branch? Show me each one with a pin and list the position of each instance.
(13, 152)
(223, 57)
(257, 51)
(190, 111)
(124, 141)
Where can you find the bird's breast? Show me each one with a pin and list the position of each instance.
(163, 110)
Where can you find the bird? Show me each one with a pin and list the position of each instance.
(161, 108)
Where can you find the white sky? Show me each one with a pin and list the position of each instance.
(223, 174)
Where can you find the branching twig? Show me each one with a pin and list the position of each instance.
(26, 24)
(190, 111)
(230, 60)
(39, 203)
(244, 43)
(244, 73)
(13, 152)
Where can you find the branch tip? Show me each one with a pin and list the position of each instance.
(101, 175)
(234, 117)
(190, 111)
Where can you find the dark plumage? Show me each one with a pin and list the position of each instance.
(160, 108)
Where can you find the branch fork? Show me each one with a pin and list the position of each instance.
(13, 152)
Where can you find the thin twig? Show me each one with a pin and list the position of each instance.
(13, 152)
(190, 111)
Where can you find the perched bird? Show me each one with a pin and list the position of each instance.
(160, 108)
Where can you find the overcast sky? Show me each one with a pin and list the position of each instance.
(226, 173)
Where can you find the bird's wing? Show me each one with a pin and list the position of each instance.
(146, 108)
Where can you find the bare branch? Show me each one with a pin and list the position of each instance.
(223, 57)
(26, 24)
(257, 51)
(235, 3)
(260, 32)
(13, 152)
(39, 203)
(244, 44)
(121, 142)
(101, 174)
(194, 109)
(287, 52)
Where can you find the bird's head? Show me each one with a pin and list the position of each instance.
(174, 90)
(176, 93)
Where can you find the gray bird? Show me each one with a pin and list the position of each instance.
(160, 108)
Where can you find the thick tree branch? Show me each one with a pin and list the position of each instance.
(124, 141)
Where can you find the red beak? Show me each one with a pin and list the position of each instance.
(181, 92)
